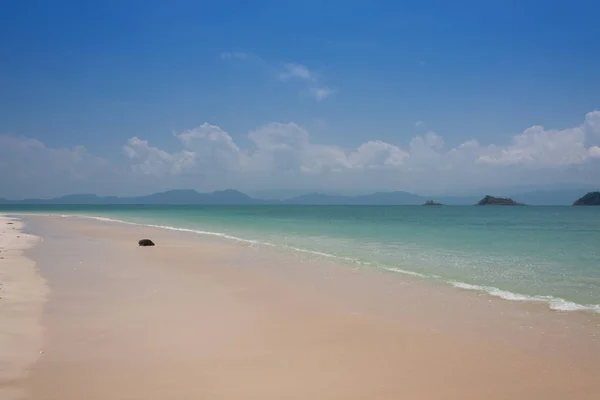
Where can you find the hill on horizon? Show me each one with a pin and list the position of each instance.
(169, 197)
(235, 197)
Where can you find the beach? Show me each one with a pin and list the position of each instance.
(23, 293)
(86, 313)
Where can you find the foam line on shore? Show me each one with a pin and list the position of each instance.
(554, 303)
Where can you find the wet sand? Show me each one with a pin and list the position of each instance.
(204, 318)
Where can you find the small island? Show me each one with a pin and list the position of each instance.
(432, 203)
(497, 201)
(589, 199)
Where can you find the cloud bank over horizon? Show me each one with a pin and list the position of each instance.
(285, 156)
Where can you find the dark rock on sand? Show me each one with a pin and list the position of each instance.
(146, 242)
(497, 201)
(589, 199)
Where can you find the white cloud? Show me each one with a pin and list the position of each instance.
(430, 140)
(153, 161)
(377, 154)
(284, 155)
(592, 124)
(280, 136)
(28, 167)
(293, 70)
(299, 71)
(21, 154)
(538, 147)
(288, 72)
(287, 149)
(209, 133)
(321, 93)
(213, 149)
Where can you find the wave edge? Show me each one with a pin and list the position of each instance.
(554, 303)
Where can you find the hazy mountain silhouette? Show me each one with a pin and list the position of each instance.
(234, 197)
(175, 197)
(226, 197)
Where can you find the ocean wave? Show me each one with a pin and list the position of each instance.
(221, 235)
(172, 228)
(555, 303)
(406, 272)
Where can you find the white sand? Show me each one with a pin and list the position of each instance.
(199, 318)
(22, 295)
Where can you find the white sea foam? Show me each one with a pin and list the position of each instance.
(221, 235)
(405, 272)
(555, 303)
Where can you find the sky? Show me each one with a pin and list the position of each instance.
(434, 97)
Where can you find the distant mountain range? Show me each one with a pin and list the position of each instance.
(234, 197)
(176, 197)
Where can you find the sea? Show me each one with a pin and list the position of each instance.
(537, 254)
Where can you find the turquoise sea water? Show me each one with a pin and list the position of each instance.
(547, 254)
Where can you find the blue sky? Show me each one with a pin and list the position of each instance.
(297, 95)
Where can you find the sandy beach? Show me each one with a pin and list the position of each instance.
(22, 296)
(87, 314)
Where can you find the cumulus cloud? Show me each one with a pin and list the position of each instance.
(284, 151)
(153, 161)
(25, 155)
(376, 155)
(213, 149)
(287, 147)
(29, 167)
(592, 124)
(284, 155)
(539, 147)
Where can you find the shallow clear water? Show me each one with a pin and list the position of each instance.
(549, 254)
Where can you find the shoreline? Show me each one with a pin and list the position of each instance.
(200, 317)
(557, 304)
(23, 293)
